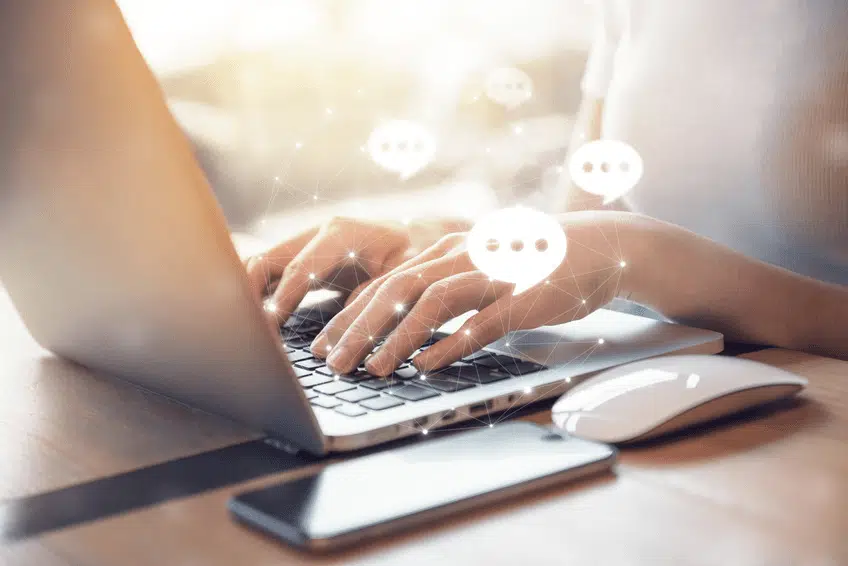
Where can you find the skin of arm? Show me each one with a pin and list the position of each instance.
(695, 281)
(745, 299)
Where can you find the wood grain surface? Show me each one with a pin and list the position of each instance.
(768, 489)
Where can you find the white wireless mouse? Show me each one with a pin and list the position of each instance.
(645, 399)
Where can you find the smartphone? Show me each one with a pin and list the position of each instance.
(350, 502)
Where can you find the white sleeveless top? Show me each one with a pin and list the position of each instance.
(739, 109)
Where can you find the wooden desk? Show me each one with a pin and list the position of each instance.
(767, 491)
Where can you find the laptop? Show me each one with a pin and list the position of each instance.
(132, 272)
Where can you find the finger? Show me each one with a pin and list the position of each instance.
(264, 269)
(440, 303)
(388, 306)
(336, 328)
(506, 313)
(315, 261)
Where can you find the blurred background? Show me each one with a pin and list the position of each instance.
(279, 98)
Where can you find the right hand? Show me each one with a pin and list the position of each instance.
(343, 253)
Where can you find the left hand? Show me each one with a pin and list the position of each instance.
(408, 303)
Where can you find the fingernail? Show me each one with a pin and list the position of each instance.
(319, 345)
(336, 358)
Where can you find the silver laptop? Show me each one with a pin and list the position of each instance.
(134, 274)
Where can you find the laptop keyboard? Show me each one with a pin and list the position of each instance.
(359, 393)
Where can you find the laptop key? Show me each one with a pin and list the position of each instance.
(315, 380)
(297, 342)
(357, 395)
(300, 372)
(326, 402)
(312, 363)
(445, 383)
(377, 383)
(520, 367)
(299, 356)
(351, 410)
(476, 375)
(324, 370)
(334, 387)
(357, 377)
(462, 371)
(409, 392)
(310, 394)
(477, 356)
(380, 403)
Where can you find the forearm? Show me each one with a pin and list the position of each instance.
(696, 281)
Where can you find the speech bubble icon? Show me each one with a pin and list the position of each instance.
(608, 168)
(402, 146)
(509, 86)
(517, 245)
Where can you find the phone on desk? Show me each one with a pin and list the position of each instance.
(349, 502)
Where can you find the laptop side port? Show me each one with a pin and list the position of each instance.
(477, 407)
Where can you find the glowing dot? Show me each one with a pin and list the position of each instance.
(419, 276)
(517, 129)
(312, 276)
(528, 390)
(405, 221)
(335, 378)
(491, 279)
(362, 148)
(351, 255)
(507, 344)
(276, 178)
(568, 380)
(468, 333)
(584, 301)
(314, 197)
(432, 330)
(423, 377)
(298, 145)
(600, 340)
(399, 307)
(359, 91)
(491, 425)
(547, 281)
(270, 307)
(476, 98)
(371, 338)
(424, 431)
(329, 347)
(329, 111)
(262, 222)
(488, 150)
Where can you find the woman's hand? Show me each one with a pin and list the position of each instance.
(344, 253)
(406, 304)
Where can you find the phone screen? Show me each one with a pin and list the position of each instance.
(376, 490)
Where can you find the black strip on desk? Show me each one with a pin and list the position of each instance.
(82, 503)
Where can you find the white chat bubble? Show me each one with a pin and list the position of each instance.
(517, 245)
(509, 86)
(608, 168)
(402, 146)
